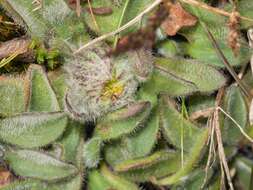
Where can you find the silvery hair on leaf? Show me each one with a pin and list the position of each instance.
(98, 84)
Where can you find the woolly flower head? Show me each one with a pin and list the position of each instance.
(99, 84)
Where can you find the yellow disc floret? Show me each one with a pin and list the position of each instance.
(112, 89)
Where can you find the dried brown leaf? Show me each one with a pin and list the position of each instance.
(18, 46)
(100, 10)
(201, 114)
(5, 177)
(177, 19)
(234, 32)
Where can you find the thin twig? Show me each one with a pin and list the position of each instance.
(211, 152)
(130, 23)
(221, 151)
(93, 16)
(222, 181)
(205, 113)
(78, 8)
(38, 4)
(225, 61)
(212, 9)
(7, 60)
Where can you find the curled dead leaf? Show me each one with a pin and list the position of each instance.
(205, 113)
(177, 19)
(5, 177)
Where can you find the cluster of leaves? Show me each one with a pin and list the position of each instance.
(160, 138)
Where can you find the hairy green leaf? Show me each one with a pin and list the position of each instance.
(28, 184)
(193, 143)
(58, 80)
(244, 171)
(72, 143)
(163, 82)
(42, 97)
(123, 121)
(12, 93)
(160, 169)
(31, 130)
(35, 184)
(144, 162)
(105, 179)
(235, 106)
(206, 78)
(54, 11)
(172, 123)
(28, 163)
(136, 145)
(97, 182)
(194, 181)
(91, 152)
(191, 160)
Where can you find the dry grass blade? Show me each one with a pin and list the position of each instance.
(120, 22)
(7, 60)
(221, 152)
(37, 4)
(225, 61)
(92, 15)
(205, 113)
(211, 152)
(78, 8)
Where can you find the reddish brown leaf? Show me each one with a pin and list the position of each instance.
(177, 19)
(100, 10)
(5, 177)
(16, 45)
